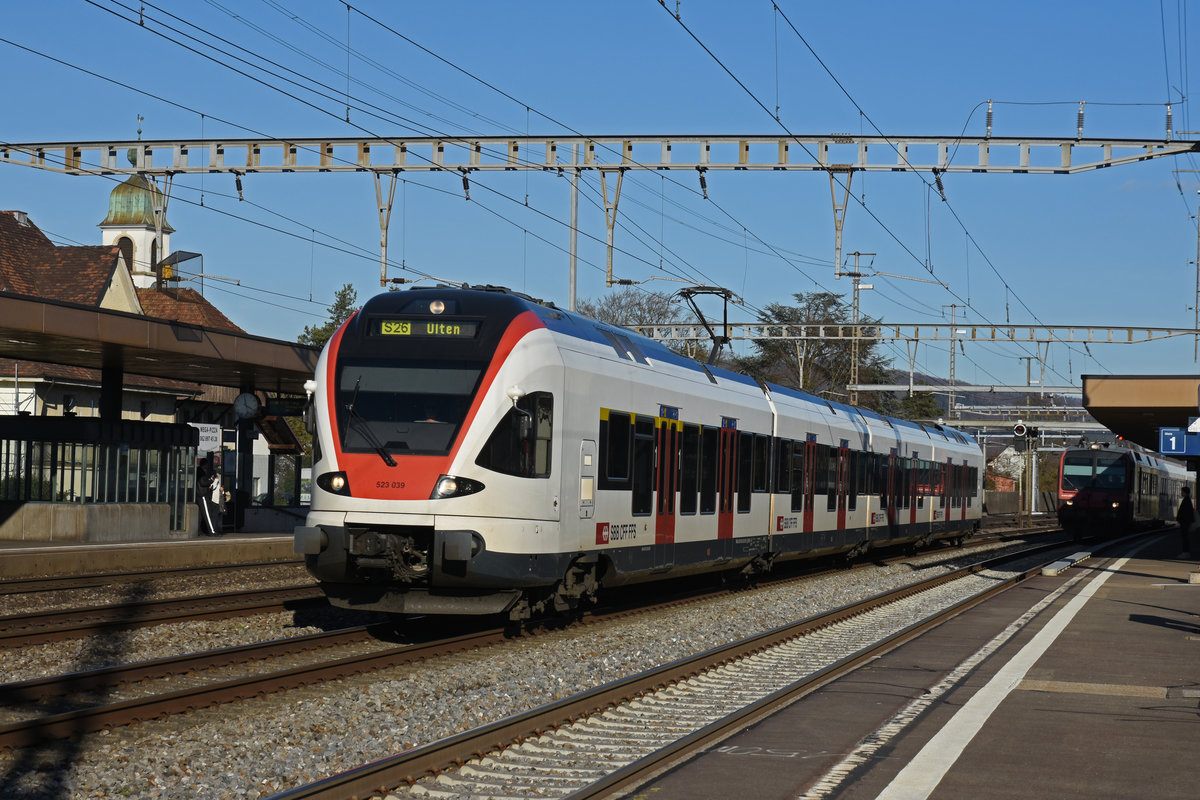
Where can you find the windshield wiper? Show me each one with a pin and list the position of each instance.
(364, 427)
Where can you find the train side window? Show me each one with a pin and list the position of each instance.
(783, 465)
(881, 479)
(520, 443)
(798, 476)
(762, 463)
(643, 465)
(615, 454)
(852, 480)
(543, 430)
(709, 447)
(689, 469)
(820, 471)
(831, 481)
(745, 471)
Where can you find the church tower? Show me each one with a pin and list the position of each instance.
(130, 225)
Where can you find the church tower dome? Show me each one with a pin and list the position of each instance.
(130, 225)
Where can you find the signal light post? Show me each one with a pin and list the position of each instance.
(1025, 441)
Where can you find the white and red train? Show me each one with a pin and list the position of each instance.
(478, 452)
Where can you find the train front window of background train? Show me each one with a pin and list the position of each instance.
(1077, 472)
(520, 443)
(1110, 471)
(689, 469)
(403, 407)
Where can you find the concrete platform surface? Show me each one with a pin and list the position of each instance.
(1095, 694)
(30, 559)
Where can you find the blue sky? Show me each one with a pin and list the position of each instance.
(1111, 247)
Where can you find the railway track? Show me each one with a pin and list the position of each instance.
(364, 651)
(74, 582)
(609, 739)
(18, 630)
(78, 703)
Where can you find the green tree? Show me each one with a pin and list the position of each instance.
(918, 405)
(818, 366)
(317, 335)
(341, 310)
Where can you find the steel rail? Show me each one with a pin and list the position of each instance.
(54, 584)
(23, 629)
(72, 724)
(36, 690)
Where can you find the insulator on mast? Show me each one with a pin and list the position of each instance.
(989, 120)
(1168, 122)
(1079, 121)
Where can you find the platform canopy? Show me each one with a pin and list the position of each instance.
(116, 342)
(1136, 406)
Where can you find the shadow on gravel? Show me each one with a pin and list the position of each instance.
(41, 770)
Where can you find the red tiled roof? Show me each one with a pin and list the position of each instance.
(20, 245)
(31, 264)
(184, 305)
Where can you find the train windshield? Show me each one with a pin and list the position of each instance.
(403, 407)
(1099, 470)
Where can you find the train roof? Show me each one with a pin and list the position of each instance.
(492, 299)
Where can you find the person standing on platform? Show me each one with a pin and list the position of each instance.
(1186, 517)
(204, 484)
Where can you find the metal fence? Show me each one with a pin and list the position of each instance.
(72, 460)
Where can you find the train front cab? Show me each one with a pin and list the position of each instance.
(1098, 491)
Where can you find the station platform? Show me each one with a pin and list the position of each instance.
(33, 559)
(1081, 685)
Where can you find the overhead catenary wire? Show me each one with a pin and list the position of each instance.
(761, 105)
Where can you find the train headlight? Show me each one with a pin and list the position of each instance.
(1116, 504)
(450, 486)
(334, 482)
(1070, 502)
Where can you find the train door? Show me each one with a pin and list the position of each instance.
(962, 491)
(587, 479)
(810, 467)
(726, 486)
(667, 476)
(914, 466)
(893, 476)
(843, 461)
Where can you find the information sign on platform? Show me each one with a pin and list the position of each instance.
(1178, 442)
(210, 437)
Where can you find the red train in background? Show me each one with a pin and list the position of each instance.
(1105, 489)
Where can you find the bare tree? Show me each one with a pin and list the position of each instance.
(817, 366)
